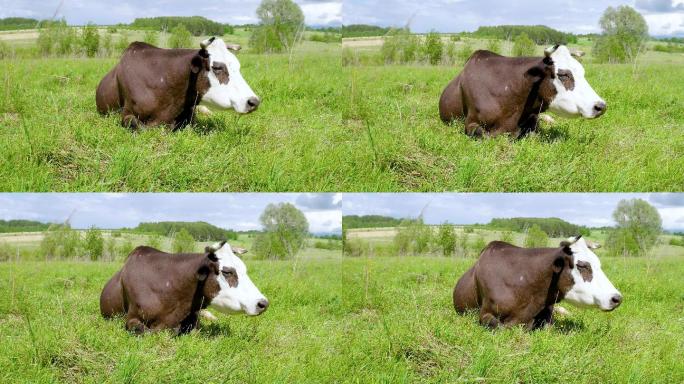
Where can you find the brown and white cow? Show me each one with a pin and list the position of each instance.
(497, 94)
(156, 290)
(512, 285)
(152, 86)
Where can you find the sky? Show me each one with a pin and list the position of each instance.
(588, 209)
(79, 12)
(664, 17)
(235, 211)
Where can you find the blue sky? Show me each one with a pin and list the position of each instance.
(664, 17)
(115, 210)
(316, 12)
(590, 209)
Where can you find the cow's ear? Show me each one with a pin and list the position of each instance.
(203, 272)
(199, 63)
(211, 254)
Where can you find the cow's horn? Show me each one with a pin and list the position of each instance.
(234, 47)
(577, 54)
(238, 250)
(215, 247)
(550, 50)
(207, 42)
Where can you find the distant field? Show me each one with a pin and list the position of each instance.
(636, 146)
(381, 239)
(27, 245)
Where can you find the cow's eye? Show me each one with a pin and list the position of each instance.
(228, 273)
(583, 264)
(217, 69)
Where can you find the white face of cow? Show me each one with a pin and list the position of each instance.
(238, 294)
(227, 88)
(575, 97)
(592, 287)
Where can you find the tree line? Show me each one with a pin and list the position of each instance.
(540, 34)
(199, 230)
(370, 221)
(8, 226)
(196, 25)
(552, 226)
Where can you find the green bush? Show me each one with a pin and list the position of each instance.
(464, 52)
(122, 42)
(669, 48)
(107, 46)
(523, 46)
(90, 40)
(93, 244)
(433, 48)
(536, 238)
(507, 236)
(183, 242)
(400, 46)
(494, 45)
(180, 37)
(446, 239)
(151, 37)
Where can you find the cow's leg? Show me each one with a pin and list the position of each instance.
(189, 323)
(136, 326)
(529, 125)
(131, 122)
(543, 318)
(473, 127)
(488, 320)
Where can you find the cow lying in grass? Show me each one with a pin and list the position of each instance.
(497, 94)
(156, 290)
(152, 86)
(510, 285)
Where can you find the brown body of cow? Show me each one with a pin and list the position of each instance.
(497, 94)
(512, 285)
(152, 86)
(156, 290)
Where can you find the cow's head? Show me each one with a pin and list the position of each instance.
(592, 287)
(574, 96)
(237, 294)
(227, 87)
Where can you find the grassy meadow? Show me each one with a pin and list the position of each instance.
(326, 127)
(53, 139)
(341, 320)
(636, 146)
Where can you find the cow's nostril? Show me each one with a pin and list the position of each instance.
(262, 305)
(600, 107)
(616, 300)
(253, 102)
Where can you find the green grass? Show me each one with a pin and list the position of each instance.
(636, 146)
(52, 138)
(341, 320)
(52, 331)
(323, 127)
(407, 329)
